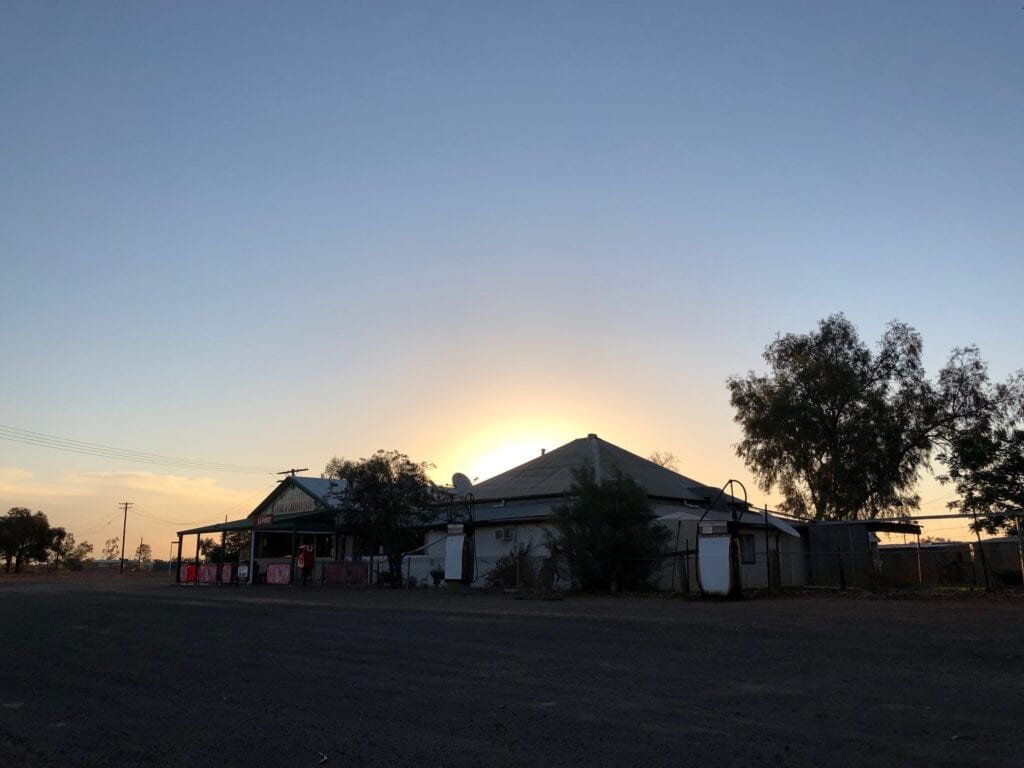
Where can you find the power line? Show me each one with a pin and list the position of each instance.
(98, 525)
(97, 520)
(164, 520)
(937, 499)
(149, 515)
(54, 442)
(261, 492)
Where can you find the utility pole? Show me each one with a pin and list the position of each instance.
(124, 529)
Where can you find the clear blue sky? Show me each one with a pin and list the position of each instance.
(272, 233)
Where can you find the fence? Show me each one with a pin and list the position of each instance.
(526, 571)
(995, 564)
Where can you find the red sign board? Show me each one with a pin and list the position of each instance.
(345, 573)
(279, 573)
(264, 518)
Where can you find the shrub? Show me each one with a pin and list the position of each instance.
(608, 532)
(512, 571)
(437, 573)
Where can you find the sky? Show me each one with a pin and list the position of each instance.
(267, 234)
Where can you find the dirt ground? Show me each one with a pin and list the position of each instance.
(134, 671)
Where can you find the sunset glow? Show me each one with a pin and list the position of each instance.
(469, 233)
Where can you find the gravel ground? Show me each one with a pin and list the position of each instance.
(132, 671)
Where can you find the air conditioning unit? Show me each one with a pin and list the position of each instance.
(503, 534)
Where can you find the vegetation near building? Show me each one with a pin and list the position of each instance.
(985, 460)
(607, 532)
(843, 431)
(388, 499)
(514, 570)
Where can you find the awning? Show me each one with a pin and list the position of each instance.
(282, 522)
(783, 526)
(233, 525)
(749, 518)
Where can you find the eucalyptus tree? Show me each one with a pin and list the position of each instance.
(843, 431)
(387, 500)
(984, 452)
(24, 536)
(839, 429)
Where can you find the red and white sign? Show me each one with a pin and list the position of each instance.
(306, 558)
(279, 573)
(264, 518)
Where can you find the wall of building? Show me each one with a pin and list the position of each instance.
(292, 499)
(787, 554)
(672, 573)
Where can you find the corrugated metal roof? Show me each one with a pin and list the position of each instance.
(887, 526)
(280, 520)
(783, 526)
(233, 525)
(551, 474)
(328, 493)
(755, 519)
(498, 512)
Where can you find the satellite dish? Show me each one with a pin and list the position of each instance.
(463, 484)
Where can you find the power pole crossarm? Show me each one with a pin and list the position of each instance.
(292, 472)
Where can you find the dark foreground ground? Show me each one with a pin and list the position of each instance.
(136, 672)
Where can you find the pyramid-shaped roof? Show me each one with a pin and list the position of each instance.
(550, 475)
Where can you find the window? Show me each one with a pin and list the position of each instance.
(274, 545)
(748, 554)
(324, 545)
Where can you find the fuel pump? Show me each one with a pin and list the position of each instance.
(718, 549)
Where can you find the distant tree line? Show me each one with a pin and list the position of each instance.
(27, 537)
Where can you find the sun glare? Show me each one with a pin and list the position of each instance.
(485, 455)
(502, 458)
